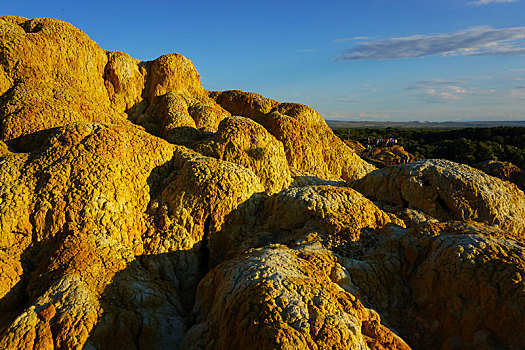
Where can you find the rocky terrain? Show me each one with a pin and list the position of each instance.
(381, 156)
(503, 170)
(140, 211)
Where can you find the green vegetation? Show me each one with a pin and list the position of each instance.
(468, 146)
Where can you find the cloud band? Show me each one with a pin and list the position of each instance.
(477, 41)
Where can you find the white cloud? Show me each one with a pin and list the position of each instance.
(423, 84)
(348, 98)
(516, 70)
(342, 40)
(488, 2)
(434, 96)
(477, 41)
(441, 90)
(458, 89)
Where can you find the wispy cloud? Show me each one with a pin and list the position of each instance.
(348, 98)
(441, 90)
(434, 96)
(342, 40)
(516, 70)
(477, 41)
(488, 2)
(425, 84)
(305, 50)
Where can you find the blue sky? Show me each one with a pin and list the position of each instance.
(420, 60)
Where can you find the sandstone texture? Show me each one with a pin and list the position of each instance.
(503, 170)
(281, 298)
(449, 285)
(381, 155)
(449, 191)
(140, 211)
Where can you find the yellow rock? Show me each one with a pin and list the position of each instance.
(449, 191)
(122, 182)
(243, 141)
(276, 297)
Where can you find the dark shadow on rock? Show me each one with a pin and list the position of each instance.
(12, 304)
(31, 142)
(142, 306)
(309, 180)
(33, 282)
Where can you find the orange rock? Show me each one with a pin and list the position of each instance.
(48, 313)
(309, 143)
(443, 284)
(503, 170)
(243, 141)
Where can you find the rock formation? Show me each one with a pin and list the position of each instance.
(503, 170)
(139, 210)
(449, 191)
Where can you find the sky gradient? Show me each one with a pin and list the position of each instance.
(377, 60)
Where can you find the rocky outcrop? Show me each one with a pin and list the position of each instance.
(381, 155)
(281, 298)
(140, 211)
(449, 191)
(503, 170)
(387, 155)
(243, 141)
(84, 206)
(309, 143)
(446, 285)
(54, 74)
(337, 214)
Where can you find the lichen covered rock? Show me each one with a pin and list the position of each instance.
(243, 141)
(443, 285)
(309, 143)
(139, 210)
(448, 190)
(276, 297)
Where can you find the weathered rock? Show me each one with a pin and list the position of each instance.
(54, 73)
(82, 207)
(276, 297)
(337, 214)
(443, 285)
(107, 227)
(387, 155)
(503, 170)
(175, 101)
(309, 143)
(243, 141)
(124, 80)
(447, 190)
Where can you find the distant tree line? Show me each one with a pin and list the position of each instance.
(468, 146)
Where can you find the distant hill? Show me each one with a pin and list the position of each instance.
(416, 124)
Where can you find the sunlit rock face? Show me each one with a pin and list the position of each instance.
(140, 211)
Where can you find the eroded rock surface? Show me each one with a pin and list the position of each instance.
(139, 210)
(309, 143)
(452, 284)
(280, 298)
(447, 190)
(503, 170)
